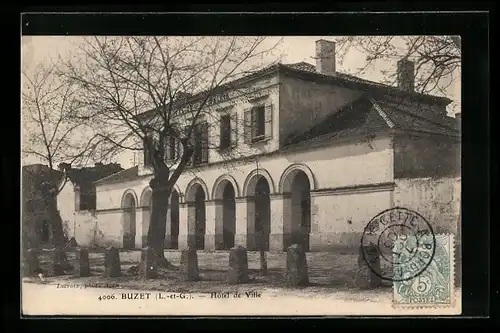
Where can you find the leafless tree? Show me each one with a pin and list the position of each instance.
(437, 58)
(50, 134)
(160, 92)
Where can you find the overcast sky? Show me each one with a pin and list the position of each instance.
(36, 49)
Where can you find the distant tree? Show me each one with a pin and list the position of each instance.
(51, 135)
(156, 92)
(437, 58)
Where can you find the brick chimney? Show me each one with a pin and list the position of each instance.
(406, 75)
(325, 57)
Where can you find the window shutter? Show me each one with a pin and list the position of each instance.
(234, 129)
(168, 149)
(147, 152)
(221, 132)
(253, 123)
(190, 142)
(247, 126)
(268, 121)
(204, 142)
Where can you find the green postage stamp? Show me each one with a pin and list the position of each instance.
(434, 285)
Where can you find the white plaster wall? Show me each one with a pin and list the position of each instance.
(66, 204)
(338, 220)
(335, 166)
(82, 227)
(109, 196)
(109, 228)
(437, 200)
(306, 103)
(268, 89)
(344, 213)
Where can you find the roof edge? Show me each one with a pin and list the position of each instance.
(103, 180)
(370, 84)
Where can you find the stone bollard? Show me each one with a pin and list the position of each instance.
(81, 263)
(148, 268)
(57, 262)
(112, 267)
(238, 266)
(31, 263)
(368, 268)
(189, 264)
(296, 266)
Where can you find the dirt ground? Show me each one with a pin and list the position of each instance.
(328, 272)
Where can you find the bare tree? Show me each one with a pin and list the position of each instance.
(48, 108)
(437, 58)
(160, 91)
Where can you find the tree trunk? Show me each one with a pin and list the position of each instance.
(50, 197)
(58, 238)
(157, 226)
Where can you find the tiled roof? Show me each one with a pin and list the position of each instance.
(406, 119)
(122, 176)
(365, 116)
(348, 78)
(304, 67)
(85, 177)
(307, 67)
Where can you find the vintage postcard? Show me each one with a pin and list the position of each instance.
(241, 175)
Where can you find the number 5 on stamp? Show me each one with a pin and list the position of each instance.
(434, 287)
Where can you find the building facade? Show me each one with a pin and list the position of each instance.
(309, 156)
(76, 201)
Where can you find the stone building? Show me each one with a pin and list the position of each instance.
(77, 200)
(319, 154)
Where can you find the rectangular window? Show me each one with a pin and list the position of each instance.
(259, 123)
(171, 148)
(225, 131)
(148, 156)
(200, 143)
(197, 145)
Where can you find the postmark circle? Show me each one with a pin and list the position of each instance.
(401, 239)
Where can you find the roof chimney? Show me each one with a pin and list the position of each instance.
(406, 75)
(325, 57)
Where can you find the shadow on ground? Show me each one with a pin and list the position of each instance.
(328, 272)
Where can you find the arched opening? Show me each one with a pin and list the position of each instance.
(196, 216)
(258, 214)
(129, 206)
(297, 205)
(173, 238)
(147, 206)
(228, 216)
(225, 215)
